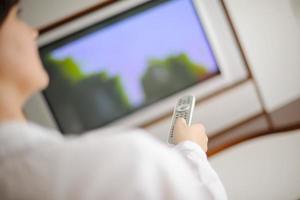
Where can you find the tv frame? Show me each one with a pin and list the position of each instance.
(218, 33)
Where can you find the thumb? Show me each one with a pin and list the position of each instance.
(180, 124)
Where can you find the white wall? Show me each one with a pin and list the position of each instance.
(269, 31)
(264, 168)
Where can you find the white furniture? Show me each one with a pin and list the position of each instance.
(269, 33)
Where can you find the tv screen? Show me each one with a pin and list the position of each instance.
(122, 64)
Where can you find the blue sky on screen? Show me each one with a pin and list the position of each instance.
(125, 48)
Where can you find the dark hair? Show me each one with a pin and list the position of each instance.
(5, 7)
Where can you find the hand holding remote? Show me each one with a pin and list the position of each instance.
(195, 133)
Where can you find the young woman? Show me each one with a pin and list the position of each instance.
(38, 163)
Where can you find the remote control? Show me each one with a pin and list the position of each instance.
(184, 108)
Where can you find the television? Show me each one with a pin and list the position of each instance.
(128, 63)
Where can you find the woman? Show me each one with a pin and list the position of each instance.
(37, 163)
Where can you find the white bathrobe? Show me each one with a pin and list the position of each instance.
(40, 164)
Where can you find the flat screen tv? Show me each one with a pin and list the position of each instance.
(128, 63)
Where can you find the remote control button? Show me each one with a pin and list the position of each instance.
(183, 107)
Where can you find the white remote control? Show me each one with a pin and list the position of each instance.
(184, 108)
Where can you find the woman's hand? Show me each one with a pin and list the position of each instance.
(195, 133)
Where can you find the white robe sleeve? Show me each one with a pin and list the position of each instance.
(197, 159)
(157, 172)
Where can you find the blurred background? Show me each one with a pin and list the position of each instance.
(253, 123)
